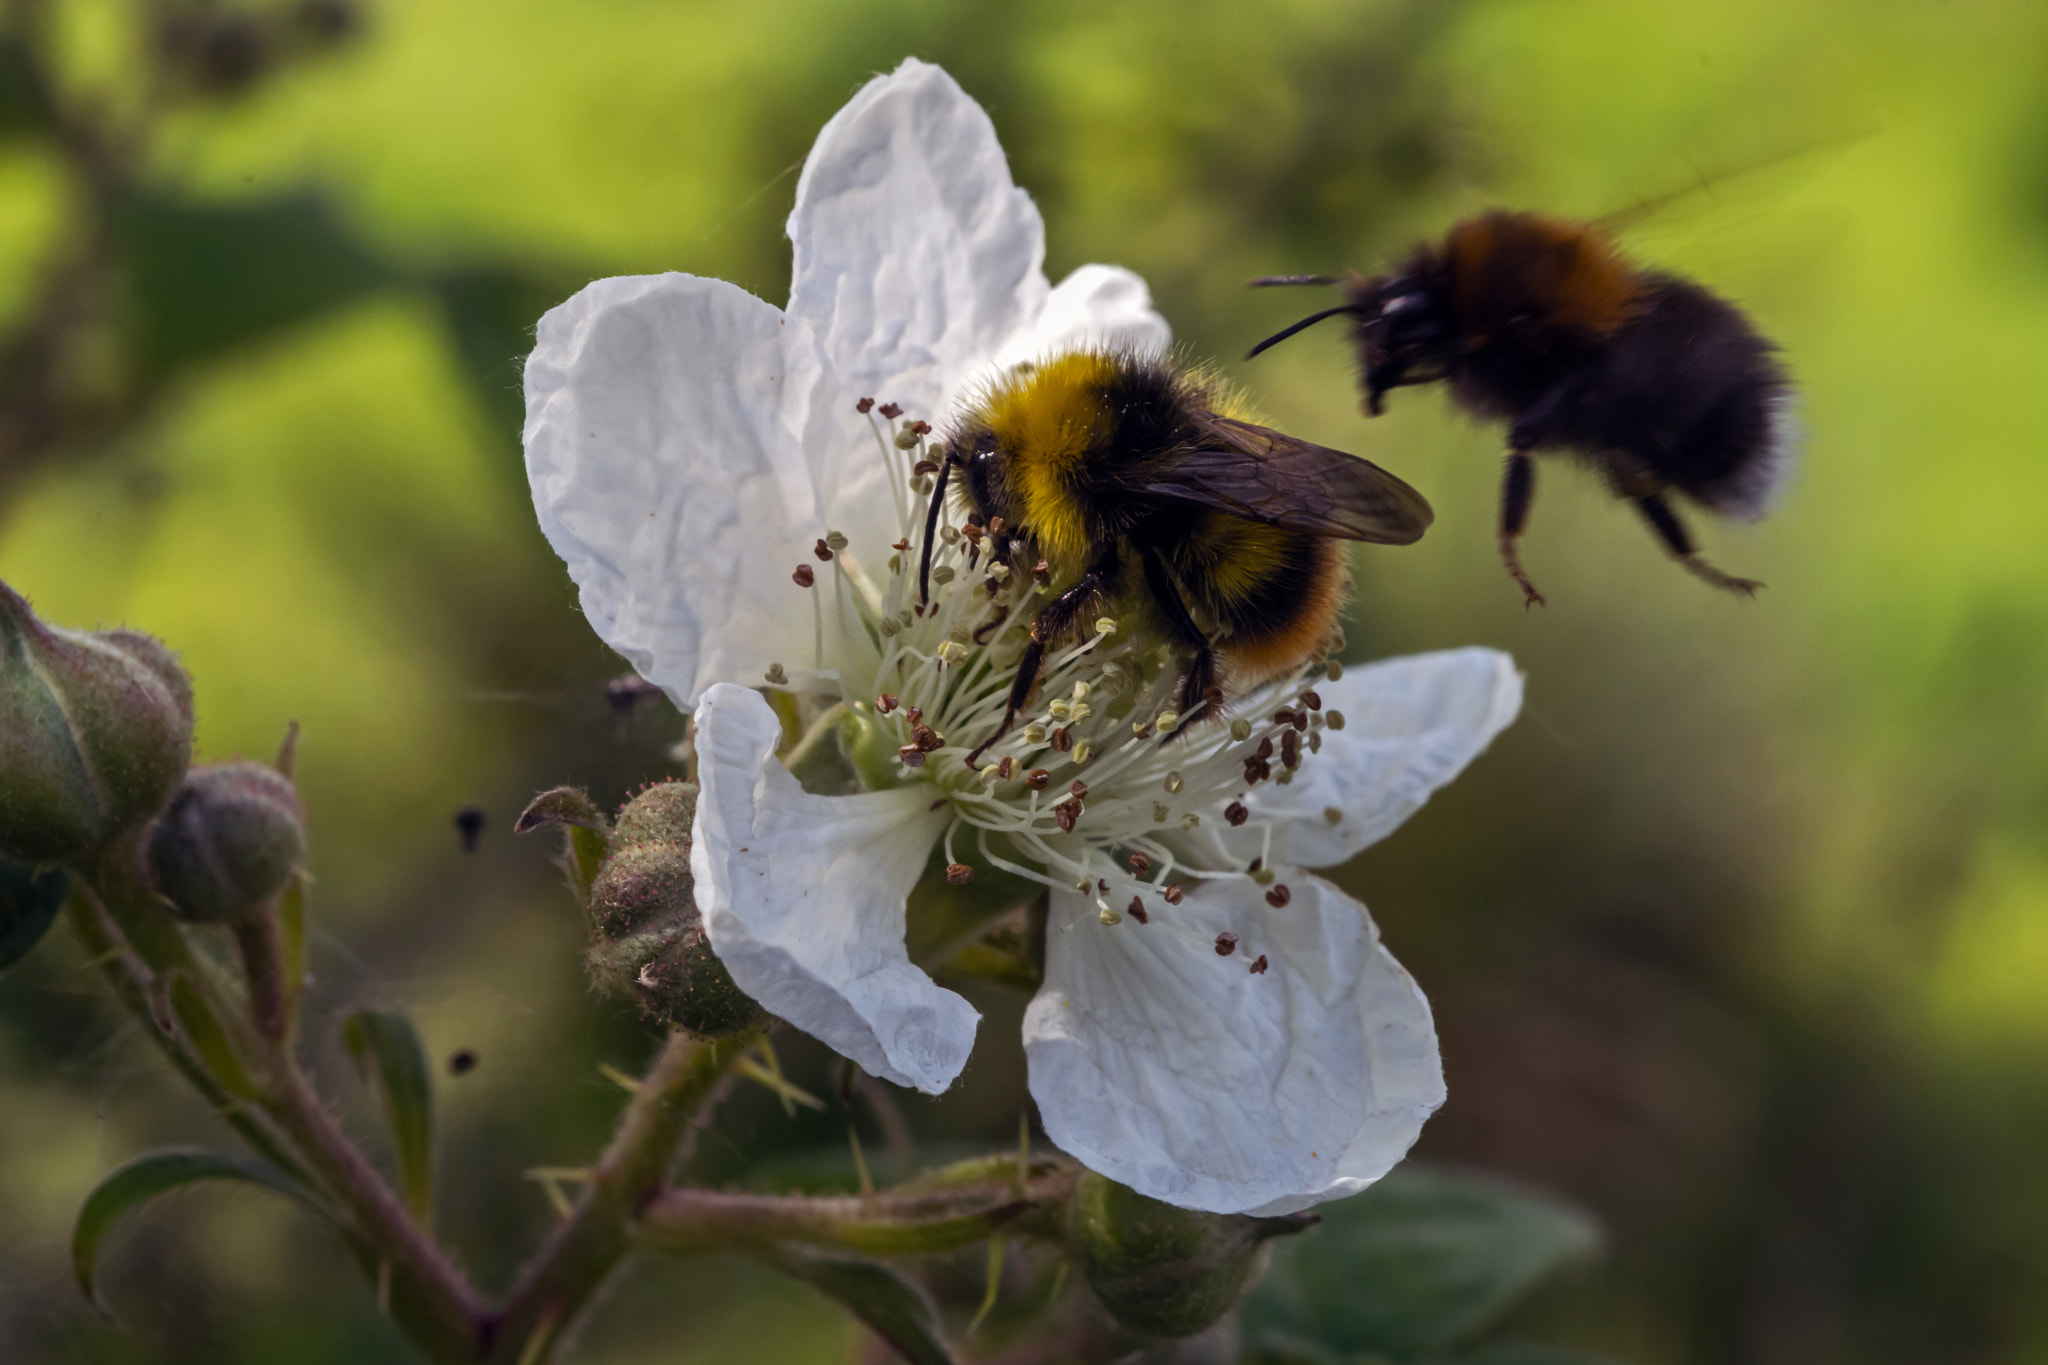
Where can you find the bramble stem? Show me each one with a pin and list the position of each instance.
(891, 1224)
(587, 1246)
(263, 961)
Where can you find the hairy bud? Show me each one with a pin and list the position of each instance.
(95, 731)
(1163, 1271)
(648, 942)
(232, 838)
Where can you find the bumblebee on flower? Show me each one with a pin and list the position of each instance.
(745, 497)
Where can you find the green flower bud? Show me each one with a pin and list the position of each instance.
(1163, 1271)
(95, 731)
(232, 838)
(648, 941)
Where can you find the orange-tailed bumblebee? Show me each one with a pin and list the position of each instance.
(1129, 480)
(1657, 383)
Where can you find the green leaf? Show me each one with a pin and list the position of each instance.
(203, 279)
(490, 312)
(25, 103)
(1418, 1263)
(155, 1173)
(894, 1309)
(202, 1028)
(387, 1052)
(30, 897)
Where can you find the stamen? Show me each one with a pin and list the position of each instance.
(1226, 944)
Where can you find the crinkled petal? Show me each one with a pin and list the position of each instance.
(916, 256)
(664, 443)
(803, 899)
(1185, 1076)
(1102, 306)
(1411, 725)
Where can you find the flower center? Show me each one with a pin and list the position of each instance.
(1096, 786)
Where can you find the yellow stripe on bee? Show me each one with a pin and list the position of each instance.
(1239, 557)
(1049, 419)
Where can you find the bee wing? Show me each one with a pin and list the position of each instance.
(1265, 475)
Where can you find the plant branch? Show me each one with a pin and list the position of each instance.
(587, 1246)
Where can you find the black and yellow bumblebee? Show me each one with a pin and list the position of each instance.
(1542, 323)
(1134, 485)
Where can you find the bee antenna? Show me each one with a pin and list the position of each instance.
(1311, 320)
(1264, 280)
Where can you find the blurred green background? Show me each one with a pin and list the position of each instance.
(1739, 938)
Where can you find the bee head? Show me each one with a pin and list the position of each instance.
(1403, 330)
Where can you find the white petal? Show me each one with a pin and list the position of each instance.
(664, 443)
(1102, 306)
(1411, 725)
(802, 897)
(1184, 1076)
(917, 257)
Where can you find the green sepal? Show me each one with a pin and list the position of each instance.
(155, 1173)
(387, 1054)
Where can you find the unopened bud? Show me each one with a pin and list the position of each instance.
(232, 838)
(95, 731)
(647, 940)
(1163, 1271)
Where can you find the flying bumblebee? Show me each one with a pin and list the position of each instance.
(1657, 383)
(1132, 482)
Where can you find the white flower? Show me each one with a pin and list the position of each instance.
(1215, 1032)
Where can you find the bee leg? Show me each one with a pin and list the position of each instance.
(1051, 623)
(1678, 540)
(1199, 689)
(931, 526)
(1517, 492)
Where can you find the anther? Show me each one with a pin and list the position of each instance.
(996, 526)
(1172, 894)
(1085, 884)
(1038, 779)
(835, 542)
(1262, 876)
(1079, 790)
(1041, 571)
(1034, 733)
(943, 574)
(1160, 812)
(1006, 767)
(1167, 722)
(1140, 730)
(1226, 944)
(959, 874)
(1332, 815)
(884, 704)
(864, 405)
(1060, 740)
(1102, 885)
(1312, 701)
(891, 410)
(1256, 770)
(906, 439)
(1285, 777)
(1300, 721)
(775, 675)
(950, 534)
(1333, 670)
(910, 756)
(1191, 821)
(1173, 783)
(822, 551)
(1240, 729)
(1140, 863)
(1105, 625)
(1236, 814)
(1259, 967)
(1315, 744)
(1283, 717)
(1279, 896)
(953, 652)
(1290, 749)
(1066, 814)
(914, 716)
(1080, 689)
(1083, 751)
(803, 577)
(1060, 708)
(1109, 916)
(1081, 710)
(1265, 749)
(927, 739)
(901, 545)
(1336, 719)
(925, 467)
(921, 427)
(1136, 910)
(998, 571)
